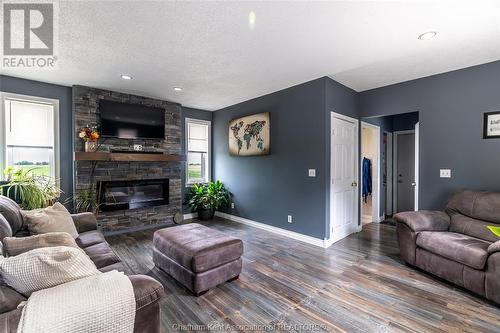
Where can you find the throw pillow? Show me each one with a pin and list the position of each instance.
(13, 246)
(55, 218)
(45, 268)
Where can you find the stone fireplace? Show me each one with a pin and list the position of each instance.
(129, 190)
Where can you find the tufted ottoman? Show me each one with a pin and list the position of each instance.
(198, 257)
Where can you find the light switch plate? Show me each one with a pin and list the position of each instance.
(312, 172)
(445, 173)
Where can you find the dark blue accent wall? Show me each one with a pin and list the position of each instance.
(451, 107)
(195, 114)
(268, 188)
(63, 94)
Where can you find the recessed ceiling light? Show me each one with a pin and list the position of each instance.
(251, 20)
(178, 89)
(427, 35)
(126, 77)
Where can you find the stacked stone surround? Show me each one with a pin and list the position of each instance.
(88, 173)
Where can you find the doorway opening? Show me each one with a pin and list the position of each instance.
(394, 181)
(370, 173)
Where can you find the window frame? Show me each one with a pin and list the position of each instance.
(4, 96)
(208, 123)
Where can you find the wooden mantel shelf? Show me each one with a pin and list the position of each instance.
(127, 157)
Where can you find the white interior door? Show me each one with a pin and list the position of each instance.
(344, 177)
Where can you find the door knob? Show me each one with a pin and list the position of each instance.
(354, 184)
(413, 184)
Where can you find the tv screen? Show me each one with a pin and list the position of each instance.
(131, 121)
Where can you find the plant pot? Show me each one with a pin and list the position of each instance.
(90, 146)
(206, 214)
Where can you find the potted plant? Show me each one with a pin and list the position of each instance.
(86, 200)
(90, 135)
(30, 190)
(205, 199)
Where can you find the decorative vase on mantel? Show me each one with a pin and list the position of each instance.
(90, 146)
(90, 135)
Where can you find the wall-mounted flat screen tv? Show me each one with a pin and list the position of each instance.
(131, 121)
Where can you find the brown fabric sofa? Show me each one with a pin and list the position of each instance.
(456, 245)
(147, 290)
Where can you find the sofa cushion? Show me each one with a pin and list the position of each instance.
(45, 268)
(89, 238)
(55, 218)
(480, 205)
(12, 213)
(9, 299)
(475, 228)
(470, 251)
(101, 254)
(5, 229)
(197, 247)
(119, 266)
(9, 321)
(13, 246)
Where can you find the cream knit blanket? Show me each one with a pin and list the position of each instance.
(95, 304)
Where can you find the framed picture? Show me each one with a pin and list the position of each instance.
(250, 135)
(491, 127)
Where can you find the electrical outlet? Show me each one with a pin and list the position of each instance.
(289, 218)
(232, 205)
(312, 172)
(138, 148)
(445, 173)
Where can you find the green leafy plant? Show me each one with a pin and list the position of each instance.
(86, 201)
(31, 190)
(495, 230)
(211, 196)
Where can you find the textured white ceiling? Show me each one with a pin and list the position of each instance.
(209, 49)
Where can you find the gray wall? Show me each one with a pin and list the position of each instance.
(63, 94)
(451, 107)
(195, 114)
(268, 188)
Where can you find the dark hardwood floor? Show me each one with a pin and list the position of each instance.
(357, 285)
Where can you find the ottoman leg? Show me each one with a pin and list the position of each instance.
(201, 293)
(234, 279)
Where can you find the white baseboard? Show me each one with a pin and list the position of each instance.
(190, 216)
(324, 243)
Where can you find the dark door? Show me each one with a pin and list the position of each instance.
(405, 172)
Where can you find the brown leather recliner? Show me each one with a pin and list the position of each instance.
(456, 245)
(147, 290)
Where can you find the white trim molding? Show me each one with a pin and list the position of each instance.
(324, 243)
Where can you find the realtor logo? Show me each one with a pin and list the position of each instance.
(29, 35)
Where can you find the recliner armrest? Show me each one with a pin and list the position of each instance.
(494, 247)
(424, 220)
(146, 290)
(84, 222)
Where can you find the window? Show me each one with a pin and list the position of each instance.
(198, 151)
(30, 138)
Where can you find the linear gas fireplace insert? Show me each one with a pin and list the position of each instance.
(130, 194)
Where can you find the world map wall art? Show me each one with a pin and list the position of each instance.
(250, 135)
